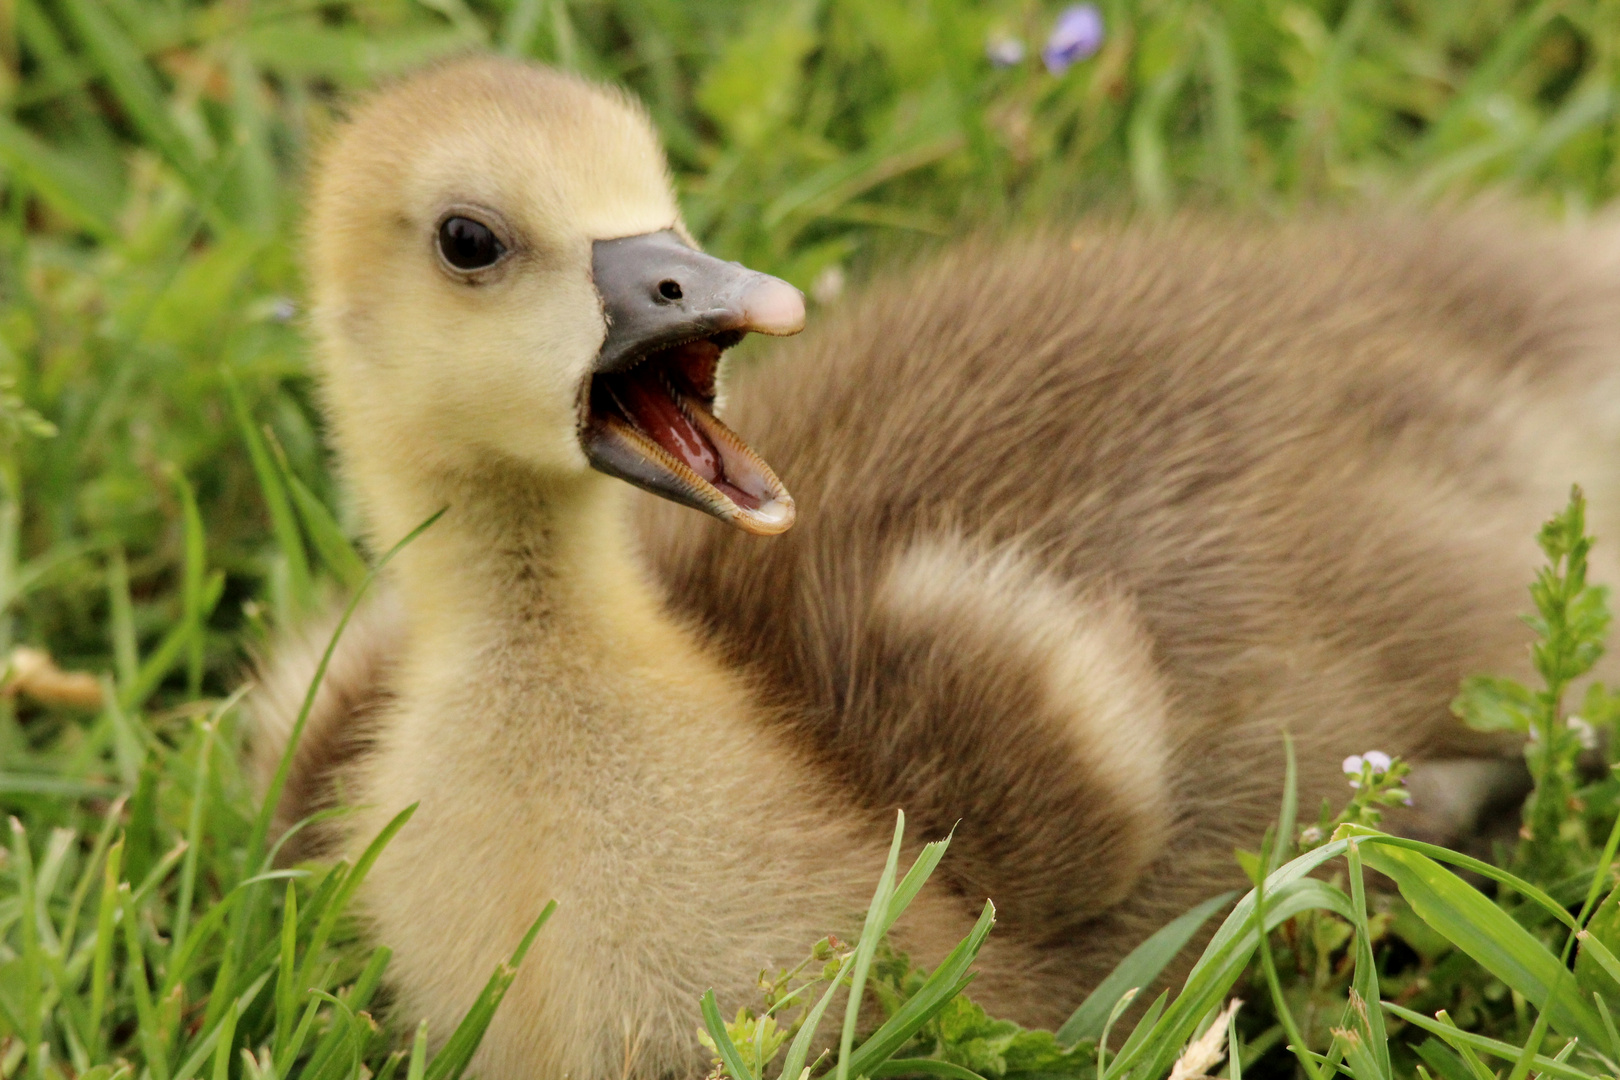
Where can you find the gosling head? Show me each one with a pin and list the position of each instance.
(500, 271)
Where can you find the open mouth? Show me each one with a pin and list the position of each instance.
(652, 423)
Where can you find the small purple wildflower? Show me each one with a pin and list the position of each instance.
(1004, 51)
(1077, 34)
(1375, 760)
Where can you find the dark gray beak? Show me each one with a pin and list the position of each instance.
(649, 416)
(659, 292)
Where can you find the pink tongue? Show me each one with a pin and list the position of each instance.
(656, 413)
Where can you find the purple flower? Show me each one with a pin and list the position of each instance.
(1376, 760)
(1004, 51)
(1077, 34)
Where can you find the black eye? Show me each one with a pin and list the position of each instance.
(468, 245)
(669, 290)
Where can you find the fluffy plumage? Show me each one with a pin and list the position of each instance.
(1087, 521)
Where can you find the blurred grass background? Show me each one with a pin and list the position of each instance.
(151, 153)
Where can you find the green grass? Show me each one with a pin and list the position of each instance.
(165, 501)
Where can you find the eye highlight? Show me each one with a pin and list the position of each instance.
(469, 245)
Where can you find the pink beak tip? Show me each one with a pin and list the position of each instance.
(774, 307)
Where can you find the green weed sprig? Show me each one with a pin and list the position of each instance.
(1571, 620)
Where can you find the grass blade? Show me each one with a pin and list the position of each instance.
(1595, 948)
(101, 961)
(162, 660)
(194, 829)
(1484, 931)
(272, 797)
(287, 991)
(1144, 1027)
(1234, 1047)
(867, 946)
(345, 892)
(418, 1066)
(195, 570)
(452, 1060)
(330, 543)
(924, 865)
(1284, 840)
(1139, 969)
(134, 84)
(1608, 1025)
(1226, 955)
(88, 876)
(126, 654)
(943, 984)
(1447, 1064)
(358, 997)
(285, 1057)
(799, 1048)
(1364, 982)
(1446, 855)
(716, 1028)
(923, 1067)
(1458, 1039)
(910, 885)
(157, 1058)
(283, 525)
(1296, 1037)
(225, 1035)
(1114, 1014)
(32, 962)
(1521, 1067)
(57, 179)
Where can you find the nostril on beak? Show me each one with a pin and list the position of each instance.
(669, 289)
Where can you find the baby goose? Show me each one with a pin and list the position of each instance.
(505, 298)
(1093, 519)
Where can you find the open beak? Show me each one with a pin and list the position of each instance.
(648, 408)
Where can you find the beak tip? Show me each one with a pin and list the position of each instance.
(772, 306)
(772, 519)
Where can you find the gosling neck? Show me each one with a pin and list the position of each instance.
(513, 551)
